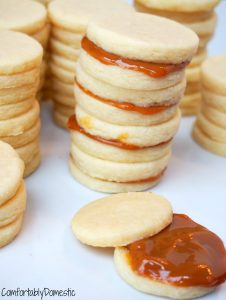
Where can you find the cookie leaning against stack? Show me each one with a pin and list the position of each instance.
(69, 20)
(20, 60)
(28, 17)
(210, 127)
(130, 79)
(198, 16)
(157, 252)
(12, 194)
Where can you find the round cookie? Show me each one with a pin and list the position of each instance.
(18, 52)
(104, 222)
(214, 100)
(64, 109)
(193, 74)
(185, 6)
(74, 15)
(27, 151)
(109, 186)
(62, 88)
(62, 74)
(213, 74)
(153, 287)
(118, 171)
(11, 172)
(198, 58)
(131, 37)
(115, 115)
(42, 36)
(9, 111)
(112, 153)
(32, 165)
(63, 50)
(147, 98)
(15, 205)
(24, 15)
(10, 231)
(60, 98)
(207, 143)
(67, 37)
(63, 62)
(216, 116)
(60, 119)
(142, 136)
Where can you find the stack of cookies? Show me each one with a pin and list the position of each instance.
(12, 194)
(210, 127)
(28, 17)
(130, 78)
(20, 60)
(198, 16)
(69, 20)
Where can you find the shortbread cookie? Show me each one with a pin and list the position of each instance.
(131, 37)
(64, 109)
(136, 97)
(11, 172)
(128, 79)
(63, 63)
(8, 221)
(67, 37)
(204, 40)
(193, 74)
(24, 15)
(215, 100)
(19, 124)
(27, 151)
(63, 50)
(74, 15)
(208, 143)
(104, 222)
(213, 74)
(185, 6)
(216, 116)
(142, 136)
(60, 119)
(15, 205)
(198, 58)
(115, 115)
(113, 153)
(118, 171)
(9, 111)
(18, 53)
(203, 28)
(42, 36)
(17, 141)
(109, 186)
(214, 132)
(154, 287)
(60, 98)
(9, 232)
(62, 88)
(62, 74)
(192, 88)
(32, 165)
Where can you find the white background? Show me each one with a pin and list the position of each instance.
(46, 254)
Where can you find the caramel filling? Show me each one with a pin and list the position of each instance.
(183, 254)
(149, 110)
(73, 125)
(155, 70)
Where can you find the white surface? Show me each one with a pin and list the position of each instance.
(47, 255)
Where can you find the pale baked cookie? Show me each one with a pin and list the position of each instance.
(33, 164)
(62, 88)
(27, 151)
(214, 115)
(63, 50)
(215, 100)
(67, 37)
(154, 287)
(213, 74)
(104, 222)
(9, 111)
(64, 109)
(185, 6)
(62, 74)
(63, 99)
(24, 15)
(193, 74)
(42, 36)
(63, 62)
(131, 37)
(135, 135)
(113, 153)
(109, 186)
(9, 232)
(118, 171)
(74, 15)
(11, 172)
(137, 97)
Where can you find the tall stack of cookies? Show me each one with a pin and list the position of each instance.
(210, 127)
(20, 60)
(130, 78)
(12, 194)
(28, 17)
(198, 16)
(69, 20)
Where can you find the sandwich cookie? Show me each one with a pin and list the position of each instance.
(210, 127)
(69, 19)
(19, 110)
(127, 95)
(12, 194)
(156, 251)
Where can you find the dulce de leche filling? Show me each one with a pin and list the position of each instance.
(148, 110)
(73, 125)
(155, 70)
(183, 254)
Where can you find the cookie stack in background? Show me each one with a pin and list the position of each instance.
(12, 194)
(198, 16)
(69, 20)
(210, 127)
(29, 17)
(130, 78)
(20, 60)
